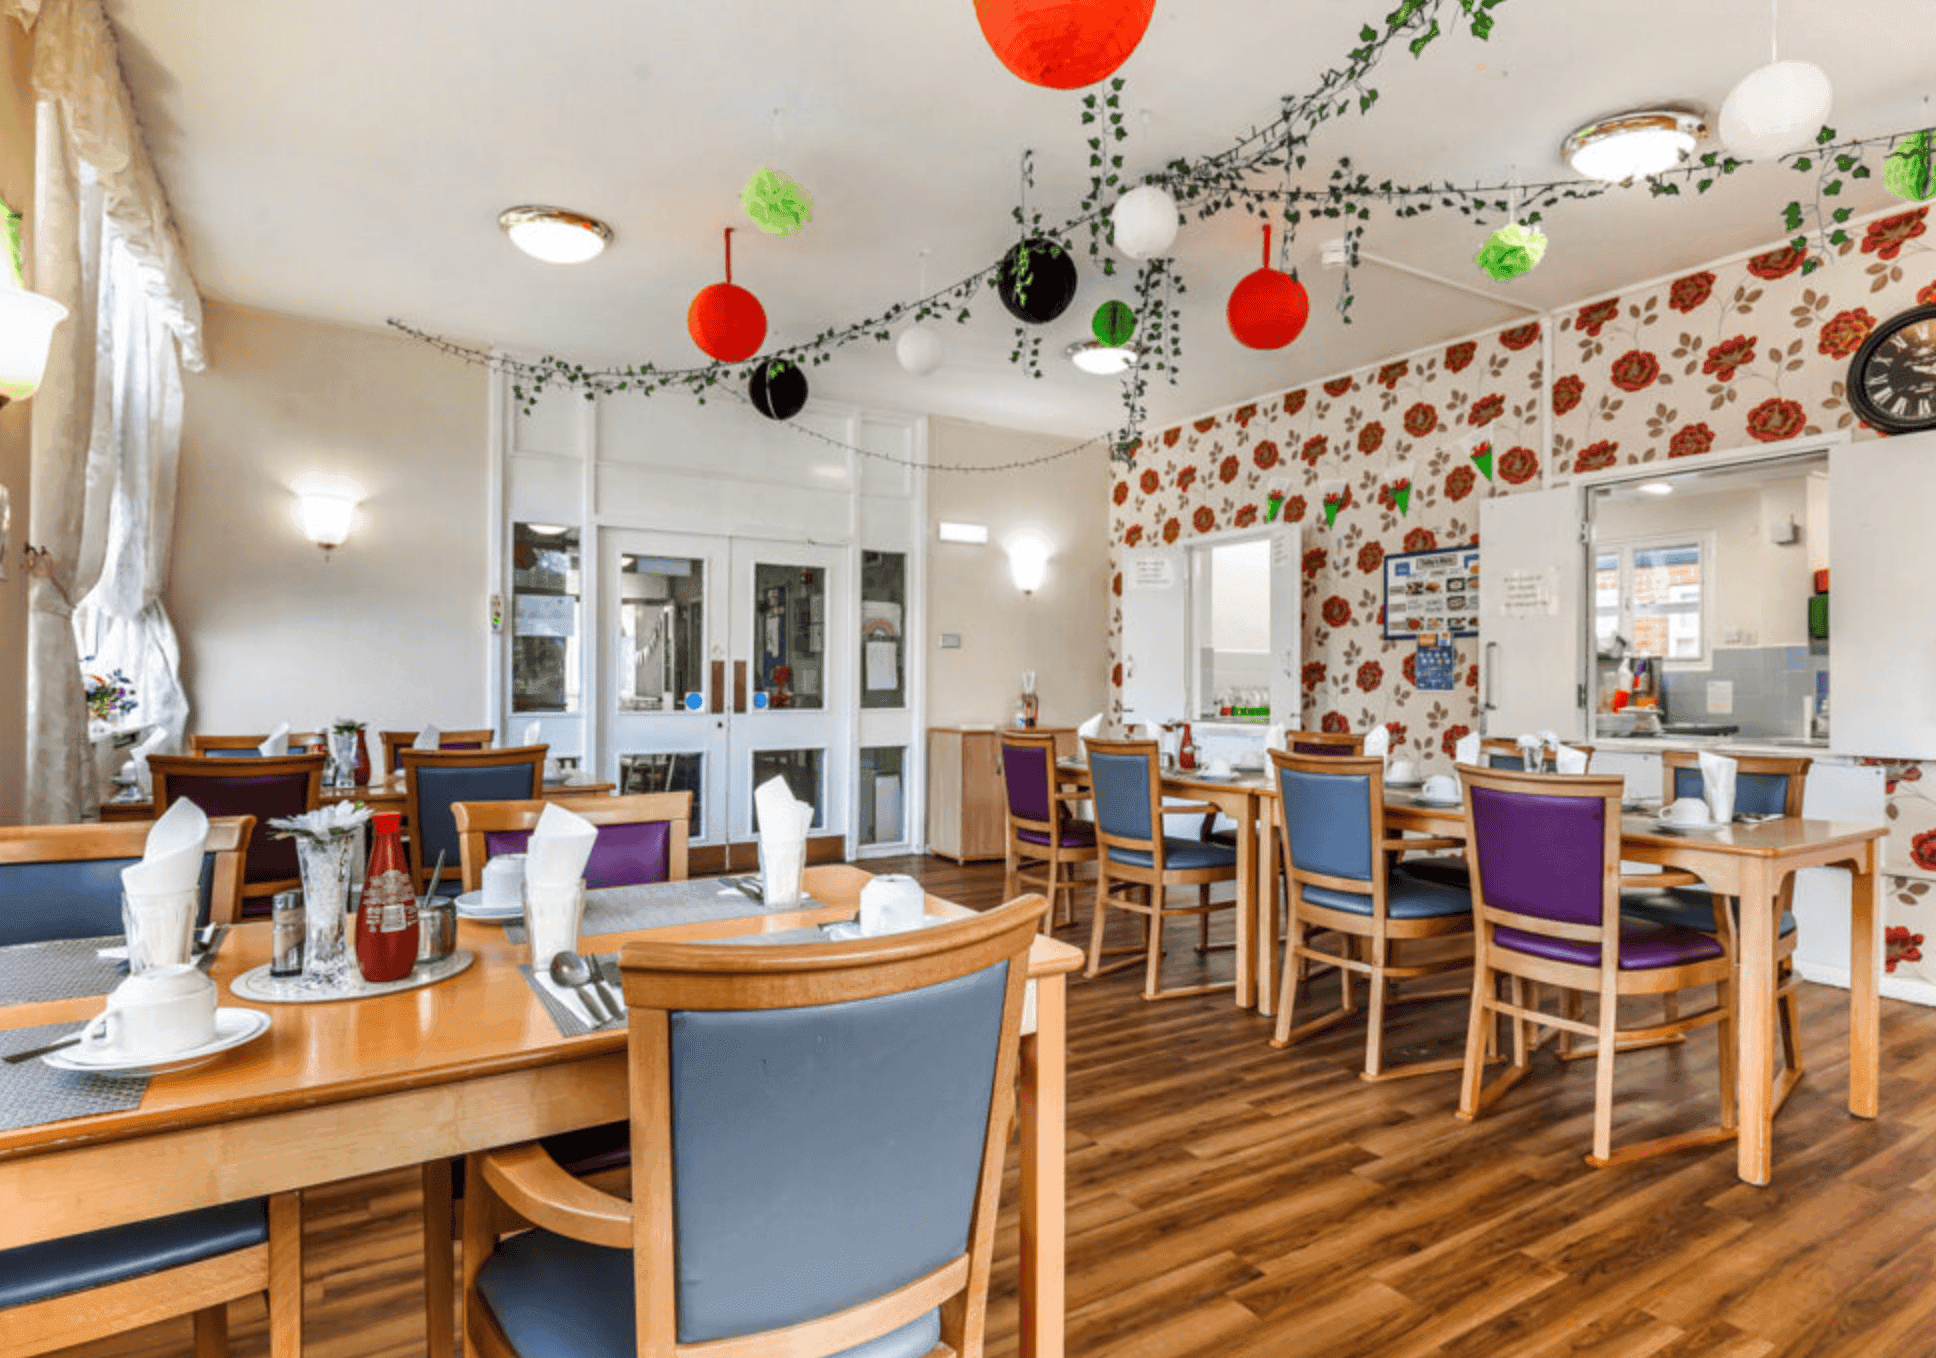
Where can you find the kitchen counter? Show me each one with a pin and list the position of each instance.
(1781, 745)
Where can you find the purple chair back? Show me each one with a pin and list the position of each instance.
(1541, 855)
(622, 855)
(1029, 779)
(263, 796)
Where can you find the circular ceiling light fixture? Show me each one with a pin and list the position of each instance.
(1629, 146)
(554, 234)
(1104, 360)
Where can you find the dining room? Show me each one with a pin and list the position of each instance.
(658, 697)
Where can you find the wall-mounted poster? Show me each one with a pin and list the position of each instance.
(1437, 664)
(1432, 592)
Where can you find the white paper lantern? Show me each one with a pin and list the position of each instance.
(1775, 110)
(1144, 222)
(921, 349)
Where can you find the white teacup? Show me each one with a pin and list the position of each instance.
(1401, 771)
(1219, 768)
(1689, 811)
(503, 881)
(155, 1013)
(1440, 787)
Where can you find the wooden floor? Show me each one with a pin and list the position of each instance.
(1226, 1199)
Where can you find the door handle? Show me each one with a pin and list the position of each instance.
(739, 686)
(1492, 674)
(718, 695)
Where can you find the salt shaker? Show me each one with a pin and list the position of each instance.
(286, 947)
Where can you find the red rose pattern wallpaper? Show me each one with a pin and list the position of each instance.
(1742, 351)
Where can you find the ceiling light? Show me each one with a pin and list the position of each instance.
(1633, 145)
(1655, 488)
(548, 530)
(1104, 360)
(555, 235)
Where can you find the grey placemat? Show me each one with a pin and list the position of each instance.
(659, 905)
(65, 969)
(34, 1092)
(569, 1024)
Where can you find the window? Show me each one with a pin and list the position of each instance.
(1653, 594)
(544, 618)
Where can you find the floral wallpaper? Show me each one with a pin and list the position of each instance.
(1745, 350)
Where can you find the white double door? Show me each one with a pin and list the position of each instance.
(725, 661)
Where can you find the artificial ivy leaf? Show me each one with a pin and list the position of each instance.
(1825, 136)
(1422, 41)
(1842, 214)
(1482, 26)
(1859, 172)
(1803, 163)
(1367, 34)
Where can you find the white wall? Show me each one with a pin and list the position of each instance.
(1060, 631)
(390, 628)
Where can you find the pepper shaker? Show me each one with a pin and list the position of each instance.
(286, 923)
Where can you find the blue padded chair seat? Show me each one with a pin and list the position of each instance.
(1644, 946)
(1404, 899)
(1182, 855)
(1450, 870)
(1690, 907)
(559, 1298)
(80, 1263)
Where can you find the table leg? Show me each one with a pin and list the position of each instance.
(1247, 987)
(1265, 926)
(1865, 1007)
(1755, 1023)
(1043, 1099)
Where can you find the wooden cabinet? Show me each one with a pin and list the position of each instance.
(967, 806)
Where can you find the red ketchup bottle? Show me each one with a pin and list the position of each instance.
(386, 917)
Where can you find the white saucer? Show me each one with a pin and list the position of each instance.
(1704, 828)
(1420, 799)
(1408, 785)
(233, 1028)
(471, 905)
(1205, 776)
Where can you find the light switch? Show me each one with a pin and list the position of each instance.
(951, 641)
(1720, 696)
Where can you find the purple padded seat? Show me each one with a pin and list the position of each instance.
(622, 855)
(1644, 946)
(1076, 834)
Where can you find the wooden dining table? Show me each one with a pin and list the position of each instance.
(357, 1087)
(383, 795)
(1749, 862)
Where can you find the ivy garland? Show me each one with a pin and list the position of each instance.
(1220, 182)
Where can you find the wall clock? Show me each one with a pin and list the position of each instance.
(1892, 378)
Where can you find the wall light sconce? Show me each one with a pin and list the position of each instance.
(27, 322)
(1028, 562)
(326, 516)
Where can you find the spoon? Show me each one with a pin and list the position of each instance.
(570, 969)
(16, 1058)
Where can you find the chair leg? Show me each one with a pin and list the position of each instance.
(1478, 1042)
(212, 1331)
(1521, 1052)
(1152, 978)
(1287, 986)
(1724, 1035)
(1203, 925)
(1375, 952)
(285, 1276)
(1670, 1005)
(1603, 1078)
(1054, 892)
(1011, 878)
(1788, 1013)
(439, 1261)
(1347, 979)
(1094, 969)
(480, 1239)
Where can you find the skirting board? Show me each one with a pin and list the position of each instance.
(1893, 987)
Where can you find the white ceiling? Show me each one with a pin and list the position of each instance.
(347, 160)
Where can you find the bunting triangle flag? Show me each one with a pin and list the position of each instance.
(1272, 505)
(1401, 493)
(1332, 504)
(1482, 459)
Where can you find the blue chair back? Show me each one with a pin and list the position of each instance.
(1123, 788)
(70, 898)
(1328, 816)
(1755, 794)
(1512, 763)
(435, 789)
(878, 1109)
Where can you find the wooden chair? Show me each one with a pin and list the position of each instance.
(245, 747)
(1545, 861)
(1504, 754)
(264, 788)
(641, 838)
(1137, 859)
(64, 881)
(1045, 842)
(1764, 785)
(1336, 854)
(394, 741)
(434, 781)
(817, 1133)
(1322, 743)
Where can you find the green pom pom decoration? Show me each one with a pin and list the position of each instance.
(1511, 251)
(1114, 323)
(1910, 171)
(775, 204)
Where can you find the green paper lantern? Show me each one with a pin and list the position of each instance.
(1482, 459)
(775, 204)
(1512, 250)
(1910, 171)
(1114, 323)
(1401, 493)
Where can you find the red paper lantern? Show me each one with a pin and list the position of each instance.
(1064, 44)
(1267, 309)
(725, 319)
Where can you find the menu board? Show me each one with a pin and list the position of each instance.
(1432, 593)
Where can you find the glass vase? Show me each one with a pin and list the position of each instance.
(326, 867)
(342, 758)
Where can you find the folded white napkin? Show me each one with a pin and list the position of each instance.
(565, 996)
(892, 903)
(784, 823)
(277, 742)
(1569, 760)
(533, 733)
(1466, 751)
(149, 744)
(430, 738)
(1378, 742)
(1091, 728)
(1275, 735)
(560, 845)
(171, 861)
(1717, 785)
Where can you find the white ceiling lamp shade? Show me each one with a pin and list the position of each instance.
(554, 234)
(920, 349)
(1104, 360)
(1776, 110)
(27, 322)
(1629, 146)
(1144, 222)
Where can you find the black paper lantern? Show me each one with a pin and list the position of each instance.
(778, 389)
(1036, 281)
